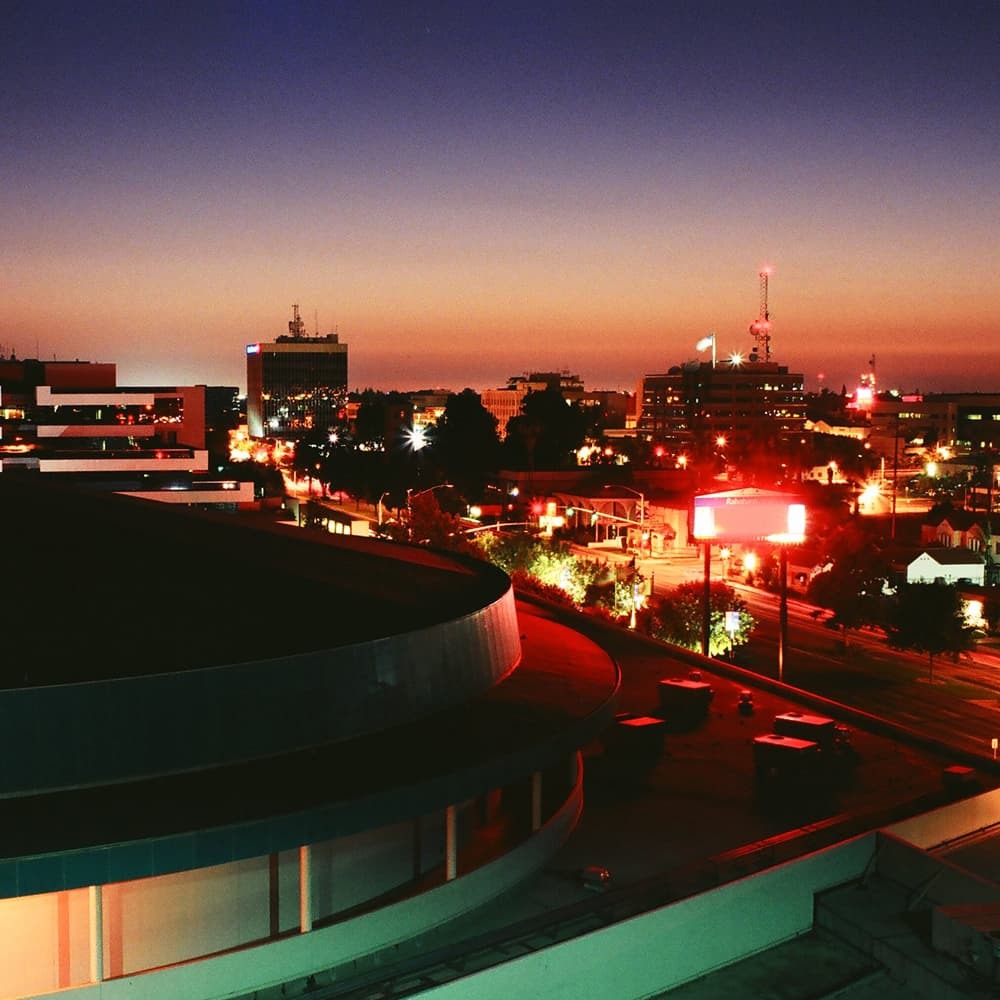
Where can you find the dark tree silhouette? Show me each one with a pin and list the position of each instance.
(853, 585)
(547, 433)
(467, 444)
(929, 618)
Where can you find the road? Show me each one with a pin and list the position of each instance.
(960, 705)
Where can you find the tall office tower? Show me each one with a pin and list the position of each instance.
(756, 403)
(296, 384)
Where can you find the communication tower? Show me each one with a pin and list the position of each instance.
(296, 326)
(760, 328)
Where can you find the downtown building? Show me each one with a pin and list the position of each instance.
(70, 420)
(506, 403)
(753, 405)
(296, 384)
(966, 422)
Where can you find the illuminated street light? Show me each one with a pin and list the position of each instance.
(416, 438)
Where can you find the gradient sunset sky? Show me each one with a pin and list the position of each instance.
(467, 191)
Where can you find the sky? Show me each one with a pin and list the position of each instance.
(468, 191)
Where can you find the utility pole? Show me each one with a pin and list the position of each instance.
(706, 610)
(895, 476)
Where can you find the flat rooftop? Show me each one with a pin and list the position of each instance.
(99, 577)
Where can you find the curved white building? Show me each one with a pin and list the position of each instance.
(234, 756)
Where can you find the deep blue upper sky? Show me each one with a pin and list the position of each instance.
(466, 191)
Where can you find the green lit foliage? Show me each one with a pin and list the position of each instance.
(678, 618)
(929, 618)
(551, 563)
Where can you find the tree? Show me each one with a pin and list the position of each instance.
(929, 618)
(429, 525)
(551, 563)
(548, 432)
(467, 442)
(852, 582)
(679, 617)
(852, 586)
(307, 459)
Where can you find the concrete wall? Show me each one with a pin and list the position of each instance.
(932, 879)
(75, 735)
(662, 949)
(931, 829)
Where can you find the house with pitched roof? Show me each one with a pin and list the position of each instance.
(952, 565)
(952, 527)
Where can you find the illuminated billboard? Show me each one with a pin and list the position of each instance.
(749, 515)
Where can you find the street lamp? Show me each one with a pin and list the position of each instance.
(642, 504)
(379, 506)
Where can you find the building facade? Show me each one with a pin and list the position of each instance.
(964, 421)
(749, 403)
(296, 384)
(70, 420)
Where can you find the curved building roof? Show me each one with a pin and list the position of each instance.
(96, 578)
(144, 774)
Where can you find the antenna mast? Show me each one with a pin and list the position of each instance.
(296, 326)
(760, 328)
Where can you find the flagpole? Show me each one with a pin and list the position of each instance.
(705, 342)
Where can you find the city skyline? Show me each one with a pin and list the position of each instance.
(465, 195)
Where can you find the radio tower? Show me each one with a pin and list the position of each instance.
(296, 326)
(761, 326)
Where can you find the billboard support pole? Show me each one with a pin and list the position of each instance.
(706, 611)
(782, 610)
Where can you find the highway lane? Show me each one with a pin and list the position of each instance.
(960, 706)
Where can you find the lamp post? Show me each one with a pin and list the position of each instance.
(642, 506)
(379, 506)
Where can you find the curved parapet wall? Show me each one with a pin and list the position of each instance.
(75, 735)
(144, 641)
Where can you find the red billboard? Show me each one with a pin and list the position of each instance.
(749, 515)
